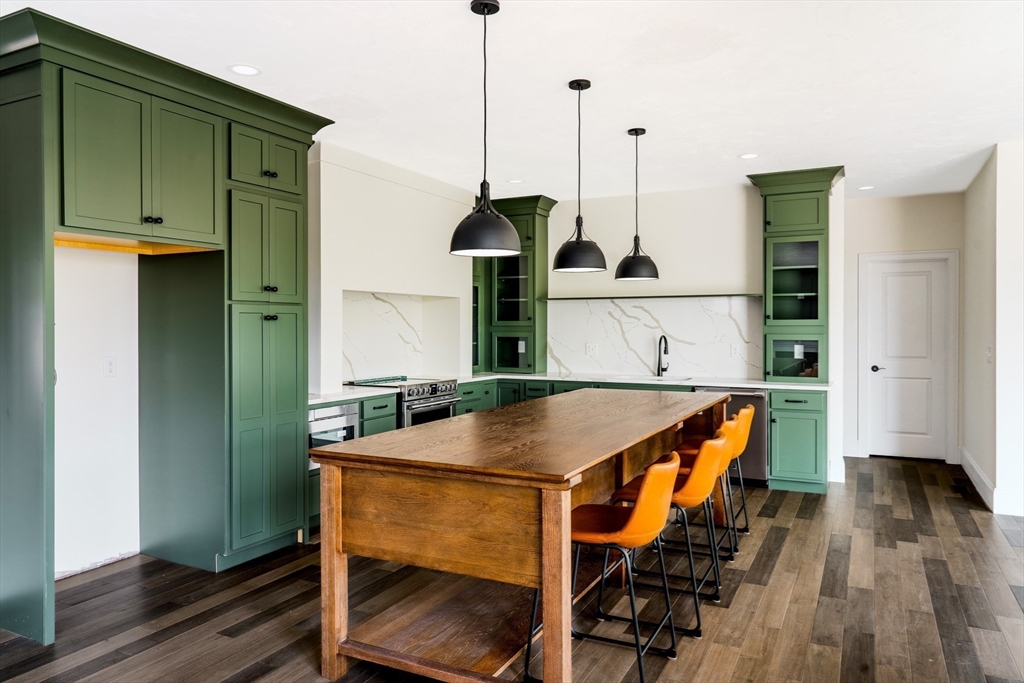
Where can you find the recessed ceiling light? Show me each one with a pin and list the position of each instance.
(245, 70)
(515, 182)
(749, 156)
(867, 187)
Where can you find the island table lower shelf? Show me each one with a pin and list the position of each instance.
(487, 496)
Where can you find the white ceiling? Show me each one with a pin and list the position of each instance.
(909, 96)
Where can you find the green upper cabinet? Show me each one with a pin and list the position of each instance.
(268, 464)
(267, 160)
(267, 238)
(797, 212)
(524, 225)
(513, 300)
(188, 173)
(140, 165)
(796, 281)
(107, 147)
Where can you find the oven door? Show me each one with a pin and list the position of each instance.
(421, 412)
(333, 430)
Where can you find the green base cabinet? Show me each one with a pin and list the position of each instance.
(476, 396)
(797, 455)
(509, 391)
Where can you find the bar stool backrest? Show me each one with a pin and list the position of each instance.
(653, 502)
(744, 419)
(730, 430)
(706, 469)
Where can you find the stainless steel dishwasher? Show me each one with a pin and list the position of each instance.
(754, 461)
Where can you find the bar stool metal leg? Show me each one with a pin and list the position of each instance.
(745, 529)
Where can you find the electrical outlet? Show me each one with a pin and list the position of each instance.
(110, 366)
(734, 350)
(591, 348)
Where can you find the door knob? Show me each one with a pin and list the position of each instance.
(875, 368)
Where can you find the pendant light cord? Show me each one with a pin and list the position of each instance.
(579, 152)
(485, 97)
(636, 191)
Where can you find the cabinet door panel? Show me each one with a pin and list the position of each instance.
(377, 425)
(284, 267)
(249, 155)
(798, 211)
(187, 172)
(287, 417)
(288, 161)
(509, 393)
(250, 439)
(797, 446)
(107, 145)
(250, 230)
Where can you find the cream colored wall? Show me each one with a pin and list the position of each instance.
(704, 241)
(977, 379)
(1009, 329)
(837, 400)
(379, 228)
(880, 225)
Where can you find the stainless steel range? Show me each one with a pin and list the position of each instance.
(420, 400)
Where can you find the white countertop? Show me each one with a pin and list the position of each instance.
(350, 393)
(731, 382)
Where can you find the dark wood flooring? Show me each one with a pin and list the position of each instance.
(899, 575)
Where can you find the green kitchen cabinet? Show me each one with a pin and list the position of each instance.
(533, 388)
(796, 212)
(264, 159)
(107, 147)
(140, 165)
(267, 239)
(509, 391)
(797, 455)
(484, 394)
(513, 301)
(796, 357)
(515, 351)
(377, 425)
(481, 313)
(796, 281)
(268, 463)
(564, 387)
(313, 498)
(464, 407)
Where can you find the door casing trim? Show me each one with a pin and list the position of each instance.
(951, 257)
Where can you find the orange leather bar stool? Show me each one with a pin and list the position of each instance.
(694, 490)
(688, 450)
(623, 530)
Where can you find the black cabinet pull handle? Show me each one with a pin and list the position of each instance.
(148, 219)
(270, 317)
(467, 393)
(469, 410)
(793, 400)
(380, 407)
(158, 220)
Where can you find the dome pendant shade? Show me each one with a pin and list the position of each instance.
(485, 232)
(579, 255)
(636, 265)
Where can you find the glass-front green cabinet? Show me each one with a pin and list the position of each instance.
(513, 351)
(796, 357)
(513, 290)
(796, 281)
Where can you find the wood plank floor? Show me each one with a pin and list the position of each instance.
(899, 575)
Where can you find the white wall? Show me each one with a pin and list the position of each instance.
(96, 461)
(1009, 331)
(881, 225)
(375, 227)
(978, 328)
(703, 332)
(706, 242)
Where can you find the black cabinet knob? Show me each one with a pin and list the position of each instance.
(270, 174)
(767, 222)
(267, 288)
(158, 220)
(768, 372)
(274, 174)
(529, 317)
(148, 219)
(487, 392)
(768, 317)
(774, 420)
(469, 410)
(266, 174)
(529, 365)
(270, 317)
(529, 238)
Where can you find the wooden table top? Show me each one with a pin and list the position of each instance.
(548, 441)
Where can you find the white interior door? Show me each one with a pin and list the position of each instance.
(904, 357)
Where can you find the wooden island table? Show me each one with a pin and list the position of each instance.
(485, 495)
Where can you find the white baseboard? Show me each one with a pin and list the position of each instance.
(978, 478)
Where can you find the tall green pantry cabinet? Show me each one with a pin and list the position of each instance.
(109, 147)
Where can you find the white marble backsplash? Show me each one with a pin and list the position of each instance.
(383, 335)
(703, 335)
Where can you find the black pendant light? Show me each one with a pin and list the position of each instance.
(636, 265)
(485, 232)
(578, 254)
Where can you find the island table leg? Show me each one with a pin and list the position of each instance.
(333, 576)
(556, 569)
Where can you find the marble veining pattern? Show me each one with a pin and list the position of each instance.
(703, 334)
(383, 334)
